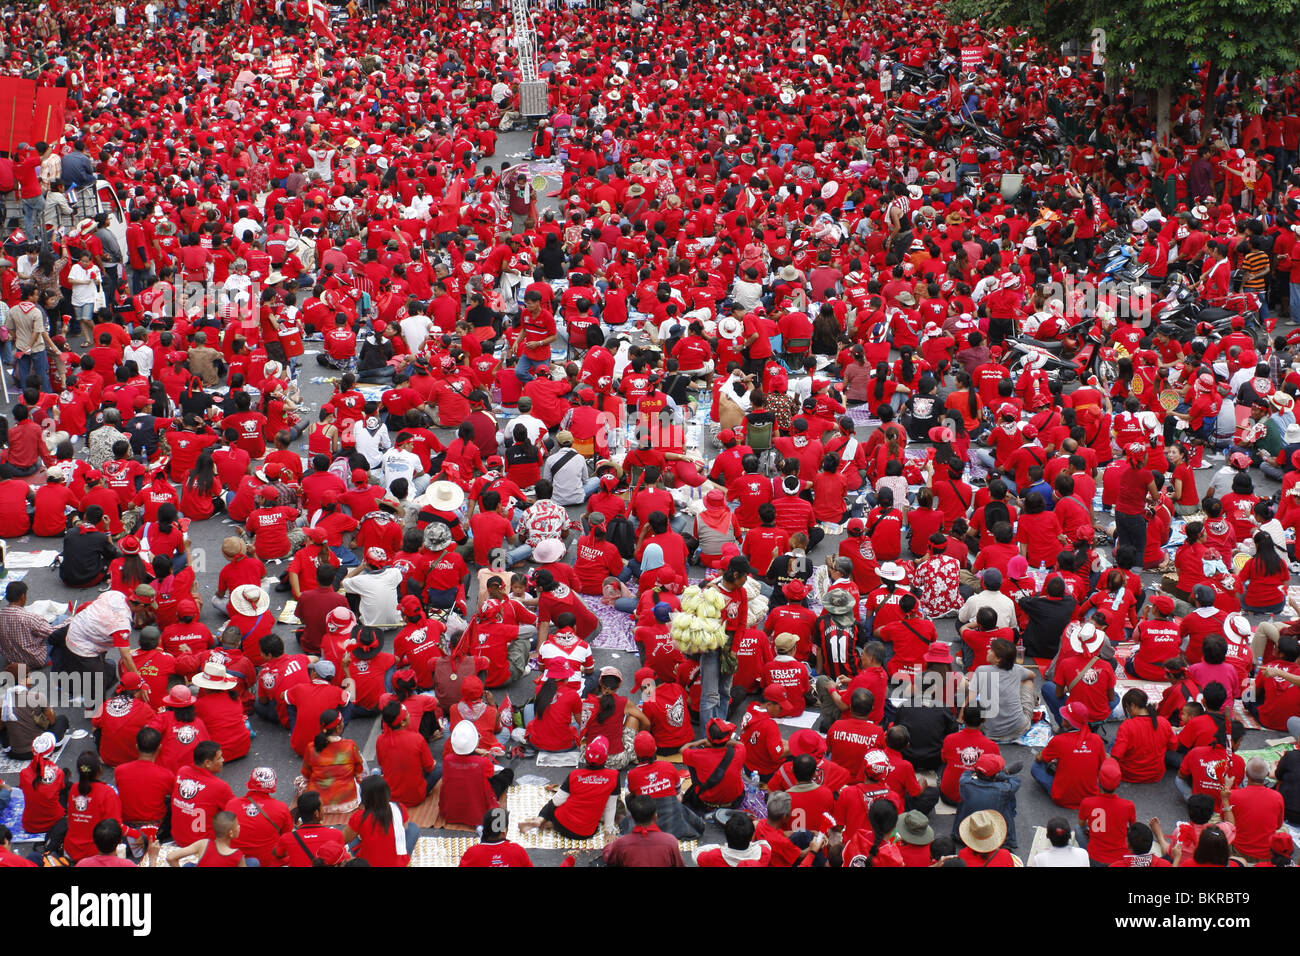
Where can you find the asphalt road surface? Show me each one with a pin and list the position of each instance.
(271, 748)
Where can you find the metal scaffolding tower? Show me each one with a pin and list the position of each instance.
(532, 91)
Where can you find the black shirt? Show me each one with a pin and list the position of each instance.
(86, 555)
(928, 726)
(1048, 618)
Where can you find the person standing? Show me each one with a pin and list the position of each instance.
(1137, 487)
(27, 324)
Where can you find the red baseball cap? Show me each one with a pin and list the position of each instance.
(989, 765)
(805, 741)
(644, 744)
(1110, 776)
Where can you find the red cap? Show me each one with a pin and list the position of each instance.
(774, 694)
(130, 681)
(726, 436)
(805, 741)
(597, 751)
(471, 688)
(642, 675)
(268, 492)
(1076, 713)
(796, 590)
(1162, 603)
(644, 744)
(410, 604)
(186, 607)
(1110, 776)
(989, 765)
(315, 535)
(360, 476)
(855, 526)
(719, 730)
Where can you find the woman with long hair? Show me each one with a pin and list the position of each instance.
(964, 402)
(606, 707)
(1142, 739)
(127, 572)
(1263, 580)
(89, 802)
(380, 831)
(875, 844)
(882, 389)
(201, 493)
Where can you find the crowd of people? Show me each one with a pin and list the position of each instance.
(732, 362)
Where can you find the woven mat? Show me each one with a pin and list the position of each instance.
(615, 626)
(524, 803)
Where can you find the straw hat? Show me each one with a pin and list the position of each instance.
(249, 600)
(983, 831)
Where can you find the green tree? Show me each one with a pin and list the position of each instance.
(1157, 42)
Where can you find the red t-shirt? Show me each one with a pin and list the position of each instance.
(1078, 755)
(143, 787)
(378, 845)
(84, 812)
(197, 797)
(502, 853)
(1107, 818)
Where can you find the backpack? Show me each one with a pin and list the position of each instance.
(620, 533)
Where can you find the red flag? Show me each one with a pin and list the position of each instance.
(246, 11)
(47, 123)
(319, 19)
(954, 94)
(17, 98)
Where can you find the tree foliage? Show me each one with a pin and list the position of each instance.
(1160, 40)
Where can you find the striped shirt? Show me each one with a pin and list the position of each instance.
(1254, 268)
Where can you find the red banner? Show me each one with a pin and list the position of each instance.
(47, 124)
(17, 100)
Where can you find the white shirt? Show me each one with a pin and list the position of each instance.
(535, 426)
(415, 329)
(399, 463)
(247, 225)
(1062, 856)
(322, 163)
(142, 356)
(83, 294)
(378, 591)
(372, 444)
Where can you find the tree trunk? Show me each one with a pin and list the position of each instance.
(1163, 98)
(1207, 97)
